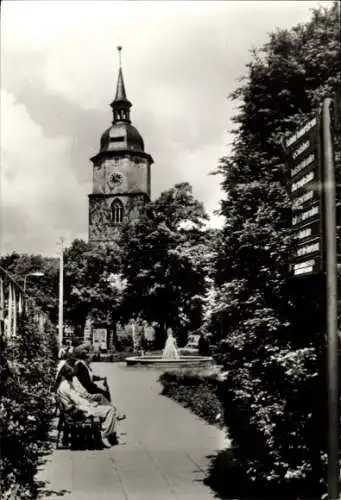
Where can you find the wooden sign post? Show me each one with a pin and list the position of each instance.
(311, 162)
(303, 154)
(331, 275)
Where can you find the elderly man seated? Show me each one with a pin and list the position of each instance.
(81, 359)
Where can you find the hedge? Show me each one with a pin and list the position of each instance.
(27, 371)
(277, 422)
(112, 356)
(194, 391)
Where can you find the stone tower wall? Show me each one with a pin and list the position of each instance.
(101, 227)
(133, 172)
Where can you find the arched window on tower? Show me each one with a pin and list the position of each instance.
(117, 212)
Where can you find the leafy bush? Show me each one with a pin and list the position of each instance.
(27, 365)
(272, 328)
(124, 343)
(119, 356)
(113, 356)
(194, 391)
(189, 352)
(277, 424)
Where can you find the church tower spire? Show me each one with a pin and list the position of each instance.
(121, 182)
(120, 105)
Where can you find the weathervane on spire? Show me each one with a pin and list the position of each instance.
(119, 48)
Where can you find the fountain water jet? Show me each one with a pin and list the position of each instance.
(171, 358)
(170, 350)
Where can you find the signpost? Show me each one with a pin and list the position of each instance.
(331, 274)
(303, 153)
(312, 185)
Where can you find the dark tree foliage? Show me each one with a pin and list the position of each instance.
(44, 288)
(270, 327)
(164, 262)
(88, 291)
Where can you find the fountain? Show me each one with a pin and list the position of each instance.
(170, 359)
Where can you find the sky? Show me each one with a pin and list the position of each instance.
(59, 64)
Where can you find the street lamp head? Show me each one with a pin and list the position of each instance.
(36, 273)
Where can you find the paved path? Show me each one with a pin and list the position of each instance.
(162, 453)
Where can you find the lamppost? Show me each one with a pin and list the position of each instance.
(37, 273)
(61, 292)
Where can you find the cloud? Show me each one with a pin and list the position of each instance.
(59, 67)
(40, 195)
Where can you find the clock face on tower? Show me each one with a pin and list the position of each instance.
(115, 179)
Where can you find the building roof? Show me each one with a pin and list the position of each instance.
(121, 135)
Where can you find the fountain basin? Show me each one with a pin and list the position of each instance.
(159, 362)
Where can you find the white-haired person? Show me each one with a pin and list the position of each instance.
(91, 405)
(63, 356)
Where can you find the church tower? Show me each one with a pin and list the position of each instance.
(121, 173)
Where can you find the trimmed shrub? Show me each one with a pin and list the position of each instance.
(113, 356)
(194, 391)
(278, 424)
(27, 370)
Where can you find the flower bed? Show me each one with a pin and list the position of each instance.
(196, 392)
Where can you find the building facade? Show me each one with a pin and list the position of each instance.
(121, 174)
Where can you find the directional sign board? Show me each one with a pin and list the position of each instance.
(302, 151)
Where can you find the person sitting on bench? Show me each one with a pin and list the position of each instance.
(84, 374)
(64, 358)
(90, 406)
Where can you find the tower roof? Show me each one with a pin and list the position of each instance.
(120, 102)
(121, 136)
(120, 88)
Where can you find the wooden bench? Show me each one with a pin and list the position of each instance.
(77, 430)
